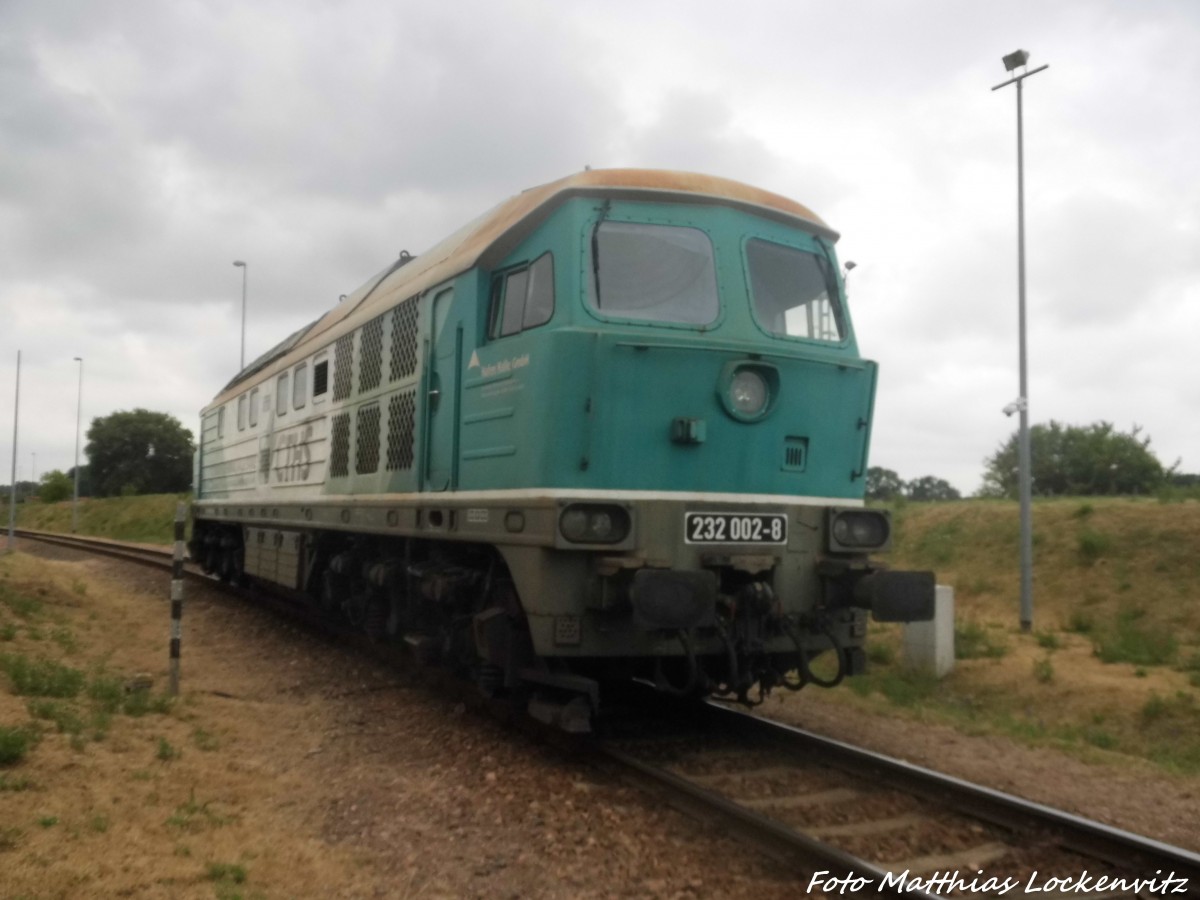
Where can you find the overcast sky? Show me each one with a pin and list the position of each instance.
(145, 145)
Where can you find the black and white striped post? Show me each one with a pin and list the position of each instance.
(177, 597)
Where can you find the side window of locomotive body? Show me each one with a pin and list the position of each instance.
(794, 292)
(523, 298)
(242, 413)
(221, 422)
(300, 386)
(320, 386)
(657, 273)
(281, 394)
(254, 408)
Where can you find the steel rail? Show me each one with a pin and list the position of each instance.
(128, 551)
(1071, 832)
(780, 841)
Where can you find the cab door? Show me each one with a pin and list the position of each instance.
(443, 362)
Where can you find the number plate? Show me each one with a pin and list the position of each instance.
(735, 528)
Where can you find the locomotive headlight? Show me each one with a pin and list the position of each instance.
(748, 389)
(748, 393)
(858, 530)
(590, 524)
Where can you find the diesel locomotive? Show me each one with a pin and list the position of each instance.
(617, 427)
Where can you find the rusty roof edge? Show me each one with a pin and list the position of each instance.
(495, 232)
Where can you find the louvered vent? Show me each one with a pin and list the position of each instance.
(401, 419)
(339, 452)
(366, 451)
(370, 355)
(404, 340)
(795, 454)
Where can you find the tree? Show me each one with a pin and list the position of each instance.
(1086, 460)
(139, 452)
(927, 488)
(883, 484)
(56, 486)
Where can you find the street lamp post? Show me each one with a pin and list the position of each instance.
(1020, 58)
(245, 269)
(78, 421)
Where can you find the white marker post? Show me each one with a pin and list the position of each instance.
(177, 597)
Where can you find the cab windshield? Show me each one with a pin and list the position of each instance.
(794, 292)
(660, 273)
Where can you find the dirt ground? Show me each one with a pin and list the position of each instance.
(291, 767)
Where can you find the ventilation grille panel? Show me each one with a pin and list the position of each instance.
(339, 452)
(366, 451)
(401, 421)
(404, 340)
(343, 366)
(370, 355)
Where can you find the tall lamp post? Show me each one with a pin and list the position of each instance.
(245, 269)
(78, 421)
(1014, 60)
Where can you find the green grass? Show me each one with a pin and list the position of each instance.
(194, 817)
(229, 872)
(15, 743)
(14, 783)
(205, 740)
(165, 752)
(64, 716)
(22, 605)
(974, 641)
(41, 677)
(1047, 640)
(1131, 640)
(1093, 546)
(148, 519)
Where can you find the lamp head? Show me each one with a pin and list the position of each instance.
(1015, 59)
(238, 262)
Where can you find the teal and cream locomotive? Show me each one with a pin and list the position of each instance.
(617, 427)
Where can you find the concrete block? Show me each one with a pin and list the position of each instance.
(929, 646)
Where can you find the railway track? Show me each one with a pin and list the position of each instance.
(874, 825)
(853, 822)
(143, 554)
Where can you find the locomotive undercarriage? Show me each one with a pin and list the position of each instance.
(723, 631)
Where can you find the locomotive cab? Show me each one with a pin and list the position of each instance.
(689, 384)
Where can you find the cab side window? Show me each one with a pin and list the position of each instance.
(523, 298)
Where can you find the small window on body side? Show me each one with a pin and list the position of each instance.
(242, 413)
(281, 395)
(320, 378)
(300, 386)
(254, 408)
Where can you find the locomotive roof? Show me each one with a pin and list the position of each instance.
(494, 234)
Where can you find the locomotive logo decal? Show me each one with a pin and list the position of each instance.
(503, 367)
(293, 458)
